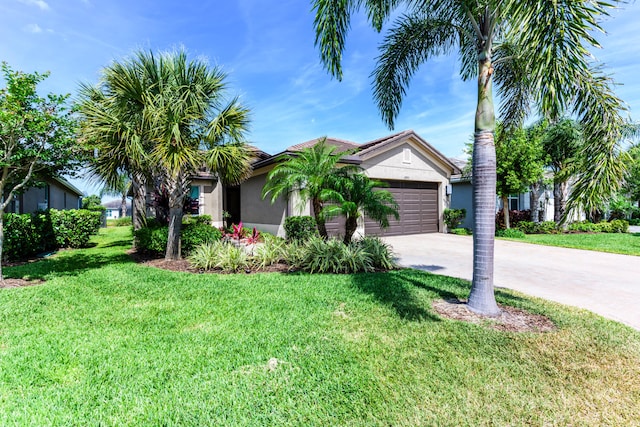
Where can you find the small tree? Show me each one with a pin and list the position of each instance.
(36, 137)
(632, 181)
(356, 194)
(518, 164)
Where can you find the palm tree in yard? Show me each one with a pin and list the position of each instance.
(535, 51)
(171, 119)
(355, 195)
(309, 172)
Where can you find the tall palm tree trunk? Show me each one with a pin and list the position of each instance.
(317, 212)
(177, 191)
(534, 200)
(350, 227)
(481, 298)
(139, 202)
(559, 200)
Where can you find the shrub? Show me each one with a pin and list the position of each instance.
(527, 227)
(380, 253)
(619, 226)
(73, 228)
(530, 227)
(634, 221)
(197, 219)
(119, 222)
(300, 228)
(333, 256)
(21, 238)
(205, 256)
(603, 227)
(453, 217)
(461, 231)
(583, 226)
(272, 251)
(511, 233)
(153, 238)
(231, 258)
(515, 217)
(196, 234)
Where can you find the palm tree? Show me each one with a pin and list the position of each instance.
(356, 194)
(536, 51)
(165, 117)
(308, 172)
(120, 188)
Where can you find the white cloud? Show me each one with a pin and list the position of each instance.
(43, 5)
(33, 28)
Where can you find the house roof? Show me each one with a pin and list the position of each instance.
(361, 151)
(116, 204)
(67, 185)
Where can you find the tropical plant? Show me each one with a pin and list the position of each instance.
(307, 172)
(36, 137)
(354, 195)
(300, 228)
(332, 256)
(381, 253)
(632, 181)
(536, 51)
(167, 114)
(118, 187)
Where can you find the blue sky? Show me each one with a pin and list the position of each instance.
(267, 48)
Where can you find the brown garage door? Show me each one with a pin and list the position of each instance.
(418, 208)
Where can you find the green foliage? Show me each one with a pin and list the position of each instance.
(512, 233)
(634, 221)
(462, 231)
(119, 222)
(380, 253)
(615, 226)
(21, 239)
(224, 256)
(619, 207)
(300, 228)
(333, 256)
(153, 237)
(453, 217)
(93, 203)
(530, 227)
(197, 219)
(632, 180)
(272, 251)
(73, 228)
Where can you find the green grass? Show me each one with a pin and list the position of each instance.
(617, 243)
(107, 342)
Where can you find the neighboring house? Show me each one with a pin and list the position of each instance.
(56, 193)
(113, 209)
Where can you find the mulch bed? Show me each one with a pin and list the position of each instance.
(18, 283)
(511, 319)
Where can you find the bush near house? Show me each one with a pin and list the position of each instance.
(615, 226)
(29, 234)
(453, 217)
(545, 227)
(152, 239)
(515, 217)
(300, 228)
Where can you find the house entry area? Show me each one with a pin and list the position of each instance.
(231, 205)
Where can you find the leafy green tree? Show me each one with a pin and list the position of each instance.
(356, 194)
(168, 115)
(562, 143)
(36, 137)
(310, 173)
(519, 163)
(535, 51)
(92, 203)
(120, 188)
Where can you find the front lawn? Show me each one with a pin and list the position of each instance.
(108, 342)
(617, 243)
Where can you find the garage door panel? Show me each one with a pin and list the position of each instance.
(417, 206)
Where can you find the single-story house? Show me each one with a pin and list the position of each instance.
(56, 193)
(417, 174)
(113, 209)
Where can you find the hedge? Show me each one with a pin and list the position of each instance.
(26, 235)
(153, 238)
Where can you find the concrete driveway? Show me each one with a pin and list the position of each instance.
(607, 284)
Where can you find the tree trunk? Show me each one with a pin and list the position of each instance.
(505, 212)
(481, 298)
(1, 243)
(534, 200)
(123, 206)
(139, 202)
(351, 224)
(559, 200)
(317, 212)
(176, 187)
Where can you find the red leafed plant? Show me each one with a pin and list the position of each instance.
(238, 232)
(254, 238)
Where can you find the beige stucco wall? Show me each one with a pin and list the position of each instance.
(259, 213)
(412, 165)
(210, 201)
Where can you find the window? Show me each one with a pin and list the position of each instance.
(514, 202)
(194, 195)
